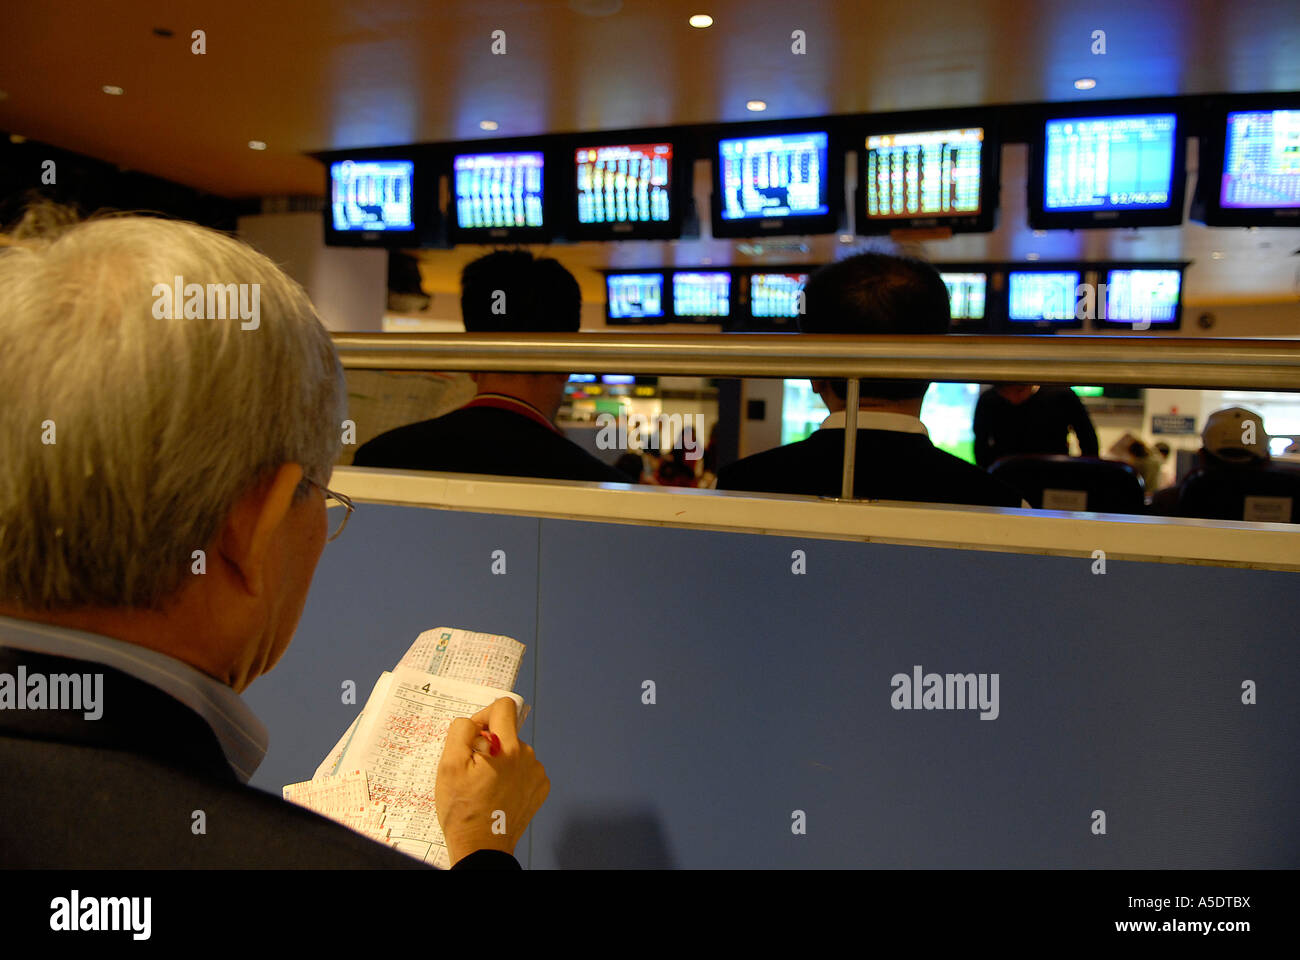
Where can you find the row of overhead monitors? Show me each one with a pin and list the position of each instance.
(1090, 166)
(983, 297)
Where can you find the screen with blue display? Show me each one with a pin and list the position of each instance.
(702, 294)
(935, 173)
(372, 195)
(1110, 163)
(498, 190)
(782, 176)
(633, 295)
(776, 294)
(1142, 295)
(1043, 295)
(1261, 163)
(624, 184)
(966, 294)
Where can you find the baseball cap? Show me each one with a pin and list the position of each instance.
(1223, 431)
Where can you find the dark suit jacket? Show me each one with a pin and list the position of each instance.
(485, 440)
(121, 791)
(891, 465)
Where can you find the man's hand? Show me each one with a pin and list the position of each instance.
(485, 803)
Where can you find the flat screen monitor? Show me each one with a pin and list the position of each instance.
(780, 183)
(701, 295)
(376, 201)
(499, 195)
(634, 296)
(1141, 296)
(1257, 155)
(1262, 167)
(928, 178)
(776, 295)
(966, 294)
(1108, 171)
(625, 191)
(1043, 297)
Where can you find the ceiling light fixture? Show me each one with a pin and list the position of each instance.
(701, 20)
(757, 106)
(113, 91)
(1031, 256)
(256, 145)
(1085, 83)
(1217, 255)
(487, 124)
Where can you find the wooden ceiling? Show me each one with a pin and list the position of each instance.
(304, 77)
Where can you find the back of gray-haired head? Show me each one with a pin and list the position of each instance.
(126, 437)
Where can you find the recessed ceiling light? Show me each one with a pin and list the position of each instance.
(701, 20)
(1217, 255)
(256, 145)
(1085, 83)
(758, 106)
(846, 238)
(1031, 256)
(113, 91)
(487, 124)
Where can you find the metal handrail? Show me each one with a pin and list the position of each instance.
(1193, 363)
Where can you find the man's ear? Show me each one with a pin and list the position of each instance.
(246, 535)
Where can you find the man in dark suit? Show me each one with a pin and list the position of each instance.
(508, 429)
(163, 509)
(872, 293)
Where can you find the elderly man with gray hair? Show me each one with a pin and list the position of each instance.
(135, 433)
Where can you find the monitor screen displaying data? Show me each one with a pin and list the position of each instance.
(776, 294)
(1045, 295)
(706, 294)
(635, 295)
(1261, 160)
(966, 294)
(498, 190)
(624, 184)
(930, 174)
(781, 176)
(372, 195)
(1142, 295)
(1110, 163)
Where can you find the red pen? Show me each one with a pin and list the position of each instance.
(487, 742)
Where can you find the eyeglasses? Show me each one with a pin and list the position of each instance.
(339, 500)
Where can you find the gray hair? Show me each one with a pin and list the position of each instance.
(159, 425)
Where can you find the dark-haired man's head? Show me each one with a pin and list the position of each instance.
(511, 291)
(875, 293)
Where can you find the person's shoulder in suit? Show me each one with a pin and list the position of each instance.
(485, 440)
(952, 477)
(786, 469)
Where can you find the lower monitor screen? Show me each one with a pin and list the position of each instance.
(776, 294)
(372, 195)
(624, 184)
(1142, 295)
(781, 176)
(1043, 295)
(635, 295)
(495, 190)
(702, 294)
(1110, 163)
(1261, 164)
(966, 294)
(931, 174)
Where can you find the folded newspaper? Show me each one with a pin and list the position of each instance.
(379, 778)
